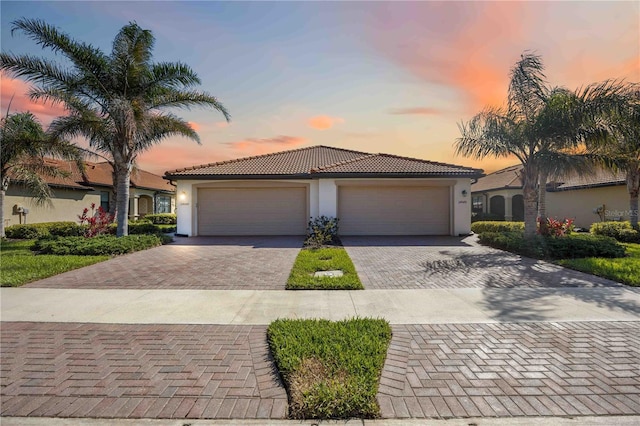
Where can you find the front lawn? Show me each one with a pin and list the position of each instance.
(20, 265)
(625, 270)
(330, 369)
(310, 261)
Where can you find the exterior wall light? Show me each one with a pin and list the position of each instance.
(183, 196)
(464, 192)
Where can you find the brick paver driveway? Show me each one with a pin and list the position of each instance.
(451, 262)
(510, 369)
(210, 263)
(138, 371)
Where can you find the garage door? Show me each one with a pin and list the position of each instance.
(366, 210)
(252, 211)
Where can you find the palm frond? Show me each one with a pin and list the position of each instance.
(187, 99)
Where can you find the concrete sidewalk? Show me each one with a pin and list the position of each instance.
(238, 307)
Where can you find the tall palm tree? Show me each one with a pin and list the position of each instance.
(621, 150)
(25, 146)
(118, 101)
(542, 127)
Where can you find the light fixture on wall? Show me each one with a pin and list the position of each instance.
(183, 196)
(464, 192)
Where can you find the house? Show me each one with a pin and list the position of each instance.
(586, 199)
(149, 193)
(371, 194)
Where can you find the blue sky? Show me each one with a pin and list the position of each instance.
(378, 77)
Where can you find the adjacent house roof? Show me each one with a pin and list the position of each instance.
(322, 161)
(100, 174)
(509, 178)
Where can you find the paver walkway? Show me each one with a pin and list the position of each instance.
(452, 262)
(210, 263)
(511, 369)
(138, 371)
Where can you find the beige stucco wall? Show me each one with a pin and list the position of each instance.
(67, 205)
(580, 203)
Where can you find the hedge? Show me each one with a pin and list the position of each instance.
(39, 230)
(496, 226)
(621, 231)
(162, 218)
(569, 247)
(100, 245)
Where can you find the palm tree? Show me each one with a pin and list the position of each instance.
(621, 149)
(22, 158)
(542, 127)
(118, 101)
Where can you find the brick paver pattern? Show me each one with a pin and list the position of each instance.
(511, 369)
(215, 263)
(451, 262)
(138, 371)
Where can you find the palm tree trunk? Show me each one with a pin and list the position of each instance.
(122, 200)
(530, 195)
(633, 186)
(2, 192)
(542, 202)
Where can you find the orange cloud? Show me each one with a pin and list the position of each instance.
(195, 126)
(324, 122)
(255, 146)
(16, 91)
(175, 155)
(416, 111)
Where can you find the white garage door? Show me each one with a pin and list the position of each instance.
(367, 210)
(252, 211)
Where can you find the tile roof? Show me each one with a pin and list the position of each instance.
(322, 161)
(502, 179)
(74, 180)
(509, 178)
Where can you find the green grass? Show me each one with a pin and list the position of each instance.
(330, 369)
(625, 270)
(310, 261)
(20, 265)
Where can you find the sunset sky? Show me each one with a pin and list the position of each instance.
(378, 77)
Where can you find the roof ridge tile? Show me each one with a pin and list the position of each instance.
(341, 163)
(420, 160)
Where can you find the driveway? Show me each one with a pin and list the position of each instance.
(209, 263)
(452, 262)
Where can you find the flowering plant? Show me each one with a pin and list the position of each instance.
(555, 228)
(97, 222)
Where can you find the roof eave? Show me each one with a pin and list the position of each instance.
(394, 175)
(237, 177)
(587, 186)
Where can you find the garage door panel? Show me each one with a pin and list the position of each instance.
(365, 210)
(252, 211)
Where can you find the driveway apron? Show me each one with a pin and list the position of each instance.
(453, 262)
(206, 263)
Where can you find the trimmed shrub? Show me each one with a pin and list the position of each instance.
(494, 226)
(621, 231)
(541, 247)
(44, 229)
(143, 228)
(162, 218)
(321, 231)
(100, 245)
(167, 228)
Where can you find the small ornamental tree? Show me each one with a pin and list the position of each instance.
(97, 222)
(555, 228)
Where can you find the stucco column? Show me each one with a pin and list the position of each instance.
(136, 205)
(327, 197)
(508, 213)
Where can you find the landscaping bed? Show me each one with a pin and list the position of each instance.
(625, 270)
(312, 260)
(20, 265)
(330, 369)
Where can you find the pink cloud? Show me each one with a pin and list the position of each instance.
(416, 111)
(195, 126)
(15, 91)
(324, 122)
(255, 146)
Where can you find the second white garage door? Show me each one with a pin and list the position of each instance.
(384, 210)
(252, 211)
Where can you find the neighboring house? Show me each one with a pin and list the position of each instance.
(149, 193)
(371, 194)
(586, 199)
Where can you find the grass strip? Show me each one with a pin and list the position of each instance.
(310, 261)
(20, 265)
(625, 270)
(331, 369)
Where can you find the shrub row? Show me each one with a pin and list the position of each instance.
(39, 230)
(100, 245)
(621, 231)
(540, 247)
(144, 227)
(492, 226)
(162, 218)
